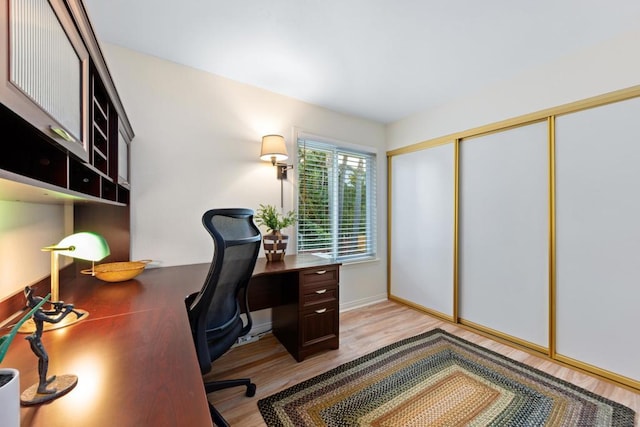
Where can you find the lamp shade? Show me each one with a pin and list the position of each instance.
(273, 149)
(85, 245)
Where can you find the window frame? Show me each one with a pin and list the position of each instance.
(370, 215)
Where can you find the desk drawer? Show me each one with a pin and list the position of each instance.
(325, 293)
(314, 276)
(319, 324)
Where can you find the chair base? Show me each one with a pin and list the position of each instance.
(216, 417)
(212, 386)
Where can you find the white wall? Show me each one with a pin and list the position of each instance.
(607, 67)
(197, 147)
(25, 228)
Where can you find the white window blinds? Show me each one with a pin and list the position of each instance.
(336, 201)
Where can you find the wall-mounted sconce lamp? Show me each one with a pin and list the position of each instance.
(87, 246)
(274, 149)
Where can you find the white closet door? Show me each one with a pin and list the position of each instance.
(504, 232)
(598, 237)
(422, 224)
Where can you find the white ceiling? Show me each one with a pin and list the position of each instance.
(378, 59)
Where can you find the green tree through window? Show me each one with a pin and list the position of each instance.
(336, 201)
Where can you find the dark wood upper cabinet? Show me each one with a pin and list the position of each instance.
(44, 71)
(60, 108)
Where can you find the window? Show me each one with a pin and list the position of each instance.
(336, 201)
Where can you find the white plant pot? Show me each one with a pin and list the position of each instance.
(10, 399)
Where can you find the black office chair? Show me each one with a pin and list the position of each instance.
(214, 312)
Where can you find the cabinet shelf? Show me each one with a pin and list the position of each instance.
(109, 190)
(101, 164)
(98, 153)
(99, 108)
(49, 164)
(104, 144)
(101, 134)
(100, 124)
(51, 172)
(97, 171)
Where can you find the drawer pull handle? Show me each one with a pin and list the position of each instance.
(322, 310)
(321, 291)
(321, 271)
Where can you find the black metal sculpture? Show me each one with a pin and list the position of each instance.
(47, 388)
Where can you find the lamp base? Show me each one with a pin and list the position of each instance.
(61, 385)
(74, 317)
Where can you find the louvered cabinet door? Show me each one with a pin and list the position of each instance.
(44, 68)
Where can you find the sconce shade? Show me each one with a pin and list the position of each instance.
(85, 245)
(273, 149)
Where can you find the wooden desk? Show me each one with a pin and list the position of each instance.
(134, 355)
(304, 294)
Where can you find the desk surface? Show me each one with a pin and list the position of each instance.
(134, 356)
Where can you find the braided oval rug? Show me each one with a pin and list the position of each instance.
(438, 379)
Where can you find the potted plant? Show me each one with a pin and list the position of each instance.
(275, 243)
(10, 378)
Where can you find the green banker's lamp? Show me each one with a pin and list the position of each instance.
(85, 245)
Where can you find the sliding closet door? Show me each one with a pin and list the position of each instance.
(504, 232)
(422, 226)
(598, 237)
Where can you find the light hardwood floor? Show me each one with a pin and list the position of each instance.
(362, 330)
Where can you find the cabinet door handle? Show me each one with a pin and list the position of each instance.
(321, 271)
(321, 291)
(322, 310)
(62, 134)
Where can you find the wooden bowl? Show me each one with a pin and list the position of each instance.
(117, 271)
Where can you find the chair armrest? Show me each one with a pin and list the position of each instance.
(189, 299)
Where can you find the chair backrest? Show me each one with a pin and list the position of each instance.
(214, 312)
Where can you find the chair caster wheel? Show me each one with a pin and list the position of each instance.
(251, 390)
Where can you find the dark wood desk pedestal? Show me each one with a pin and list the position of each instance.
(304, 294)
(134, 356)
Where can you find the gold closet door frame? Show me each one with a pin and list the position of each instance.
(432, 311)
(548, 115)
(492, 331)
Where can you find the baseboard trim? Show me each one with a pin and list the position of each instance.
(363, 302)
